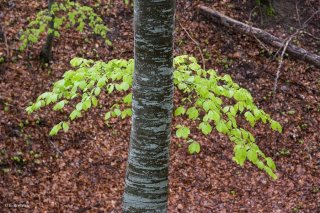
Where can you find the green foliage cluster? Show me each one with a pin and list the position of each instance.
(212, 100)
(66, 14)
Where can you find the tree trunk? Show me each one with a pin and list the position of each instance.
(146, 181)
(46, 51)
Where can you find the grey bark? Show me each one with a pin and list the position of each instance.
(46, 51)
(266, 37)
(146, 181)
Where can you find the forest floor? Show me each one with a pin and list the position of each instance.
(83, 170)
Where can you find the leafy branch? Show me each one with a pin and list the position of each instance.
(218, 102)
(71, 14)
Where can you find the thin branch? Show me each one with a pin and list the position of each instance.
(304, 25)
(196, 43)
(279, 66)
(255, 37)
(56, 148)
(5, 41)
(298, 15)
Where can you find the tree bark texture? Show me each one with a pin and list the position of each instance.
(266, 37)
(46, 51)
(146, 181)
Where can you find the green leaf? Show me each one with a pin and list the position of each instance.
(240, 154)
(252, 156)
(125, 113)
(97, 91)
(124, 86)
(108, 42)
(59, 105)
(55, 129)
(213, 115)
(250, 118)
(276, 126)
(79, 106)
(179, 111)
(194, 147)
(270, 173)
(110, 88)
(221, 127)
(75, 62)
(205, 128)
(260, 164)
(270, 163)
(192, 113)
(207, 105)
(117, 112)
(94, 101)
(107, 116)
(127, 99)
(183, 132)
(102, 81)
(86, 104)
(65, 126)
(75, 114)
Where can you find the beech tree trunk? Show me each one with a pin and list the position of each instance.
(46, 51)
(146, 181)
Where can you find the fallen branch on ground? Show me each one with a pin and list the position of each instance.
(264, 36)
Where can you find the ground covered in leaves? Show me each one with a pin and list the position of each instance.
(83, 170)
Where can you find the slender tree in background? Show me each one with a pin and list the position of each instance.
(146, 182)
(46, 51)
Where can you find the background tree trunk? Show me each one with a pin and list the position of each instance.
(46, 51)
(146, 182)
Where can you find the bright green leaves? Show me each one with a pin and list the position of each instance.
(127, 99)
(193, 113)
(107, 116)
(59, 105)
(102, 81)
(182, 132)
(222, 127)
(60, 126)
(250, 118)
(65, 126)
(76, 62)
(276, 126)
(75, 114)
(124, 86)
(55, 129)
(179, 111)
(270, 163)
(117, 112)
(194, 148)
(213, 115)
(66, 14)
(209, 100)
(240, 154)
(205, 128)
(252, 156)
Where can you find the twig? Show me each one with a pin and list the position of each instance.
(312, 36)
(5, 41)
(258, 40)
(284, 50)
(279, 66)
(56, 148)
(196, 43)
(298, 16)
